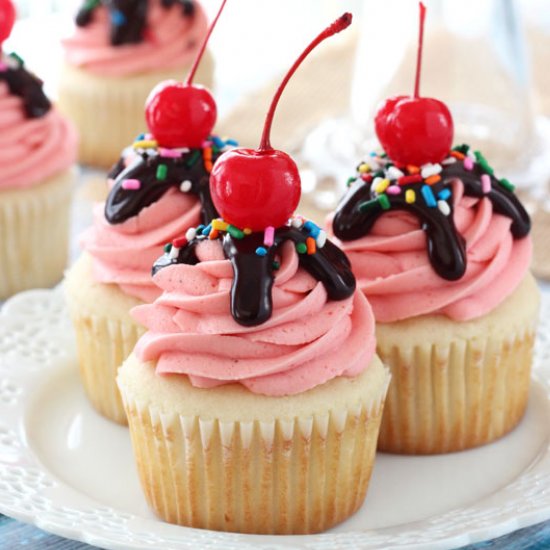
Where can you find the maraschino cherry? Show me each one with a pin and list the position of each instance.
(415, 130)
(7, 20)
(182, 114)
(260, 188)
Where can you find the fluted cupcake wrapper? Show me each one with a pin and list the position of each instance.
(450, 397)
(302, 475)
(109, 111)
(34, 232)
(103, 344)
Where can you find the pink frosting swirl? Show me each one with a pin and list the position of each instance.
(34, 148)
(393, 269)
(175, 41)
(124, 253)
(307, 341)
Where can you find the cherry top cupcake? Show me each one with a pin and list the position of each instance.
(439, 245)
(35, 175)
(158, 188)
(118, 51)
(258, 360)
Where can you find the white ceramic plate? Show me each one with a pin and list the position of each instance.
(70, 472)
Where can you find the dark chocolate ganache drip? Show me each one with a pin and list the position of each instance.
(151, 171)
(128, 17)
(427, 192)
(25, 85)
(254, 263)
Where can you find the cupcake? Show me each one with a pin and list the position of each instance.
(440, 247)
(254, 398)
(118, 52)
(36, 177)
(158, 188)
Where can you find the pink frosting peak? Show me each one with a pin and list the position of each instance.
(34, 148)
(173, 43)
(124, 253)
(307, 341)
(393, 270)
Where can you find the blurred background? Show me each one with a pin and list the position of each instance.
(487, 59)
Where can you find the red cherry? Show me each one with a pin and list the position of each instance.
(7, 19)
(415, 130)
(260, 188)
(182, 114)
(179, 115)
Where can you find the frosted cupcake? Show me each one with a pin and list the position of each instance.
(119, 51)
(439, 245)
(158, 189)
(36, 178)
(255, 396)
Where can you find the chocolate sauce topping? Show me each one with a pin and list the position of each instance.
(128, 17)
(25, 85)
(251, 301)
(431, 201)
(155, 175)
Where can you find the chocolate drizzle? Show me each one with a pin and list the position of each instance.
(251, 301)
(128, 17)
(25, 85)
(363, 205)
(156, 174)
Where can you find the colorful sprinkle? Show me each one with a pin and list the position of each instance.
(191, 233)
(206, 230)
(118, 18)
(380, 185)
(367, 178)
(311, 246)
(486, 183)
(444, 207)
(468, 164)
(321, 239)
(179, 242)
(235, 232)
(174, 251)
(458, 155)
(297, 222)
(16, 58)
(167, 247)
(482, 161)
(433, 179)
(162, 171)
(428, 196)
(507, 185)
(195, 155)
(448, 160)
(275, 265)
(406, 180)
(131, 185)
(312, 228)
(351, 180)
(269, 236)
(213, 234)
(185, 186)
(363, 168)
(412, 169)
(384, 202)
(429, 170)
(247, 231)
(261, 251)
(145, 144)
(393, 173)
(393, 190)
(444, 194)
(220, 225)
(169, 153)
(410, 196)
(301, 248)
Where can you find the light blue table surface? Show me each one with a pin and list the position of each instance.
(14, 535)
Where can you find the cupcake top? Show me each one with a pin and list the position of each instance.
(155, 195)
(124, 37)
(448, 237)
(40, 141)
(278, 318)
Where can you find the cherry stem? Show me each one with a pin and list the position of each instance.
(422, 8)
(340, 24)
(195, 66)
